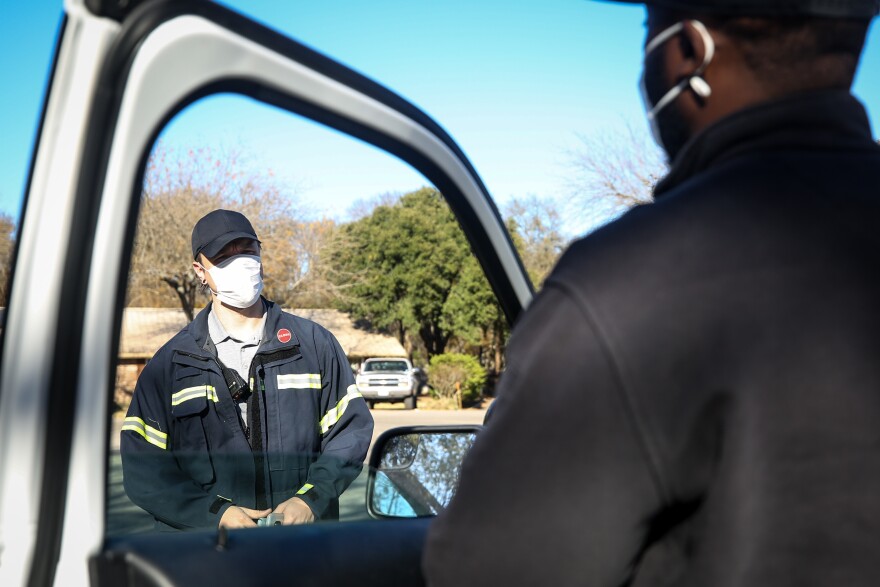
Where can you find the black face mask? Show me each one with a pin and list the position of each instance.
(668, 122)
(667, 125)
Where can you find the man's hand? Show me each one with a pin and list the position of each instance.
(239, 517)
(295, 511)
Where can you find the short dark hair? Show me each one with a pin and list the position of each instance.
(797, 53)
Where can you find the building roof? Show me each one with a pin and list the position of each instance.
(145, 330)
(356, 342)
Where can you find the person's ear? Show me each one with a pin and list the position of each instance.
(691, 48)
(692, 54)
(200, 271)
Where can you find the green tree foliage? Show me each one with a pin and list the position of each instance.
(415, 274)
(473, 314)
(459, 376)
(470, 310)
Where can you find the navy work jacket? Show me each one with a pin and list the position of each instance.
(185, 455)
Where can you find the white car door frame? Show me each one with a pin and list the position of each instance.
(115, 85)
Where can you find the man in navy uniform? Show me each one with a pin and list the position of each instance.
(694, 396)
(248, 410)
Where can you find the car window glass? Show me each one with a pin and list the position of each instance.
(351, 239)
(385, 366)
(418, 473)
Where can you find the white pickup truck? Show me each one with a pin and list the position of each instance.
(388, 380)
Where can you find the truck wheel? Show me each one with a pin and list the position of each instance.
(370, 404)
(410, 402)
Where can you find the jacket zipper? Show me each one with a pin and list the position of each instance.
(259, 455)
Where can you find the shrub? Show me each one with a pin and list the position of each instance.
(457, 376)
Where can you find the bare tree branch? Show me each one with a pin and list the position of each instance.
(536, 227)
(182, 186)
(613, 171)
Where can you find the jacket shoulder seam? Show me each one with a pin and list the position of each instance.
(630, 403)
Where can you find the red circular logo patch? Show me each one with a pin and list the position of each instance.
(284, 335)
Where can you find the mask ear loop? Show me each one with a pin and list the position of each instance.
(695, 81)
(663, 37)
(700, 87)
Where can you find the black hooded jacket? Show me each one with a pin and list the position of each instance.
(694, 396)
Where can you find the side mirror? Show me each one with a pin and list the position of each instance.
(414, 471)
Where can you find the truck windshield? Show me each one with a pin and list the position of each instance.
(385, 366)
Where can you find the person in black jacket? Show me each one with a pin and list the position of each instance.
(248, 410)
(694, 396)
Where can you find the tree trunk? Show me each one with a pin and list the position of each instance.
(401, 335)
(434, 338)
(186, 298)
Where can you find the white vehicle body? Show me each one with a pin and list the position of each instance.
(386, 379)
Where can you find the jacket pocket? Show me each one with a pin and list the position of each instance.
(286, 483)
(191, 446)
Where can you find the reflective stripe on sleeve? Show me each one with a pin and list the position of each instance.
(206, 391)
(304, 488)
(152, 435)
(300, 381)
(335, 413)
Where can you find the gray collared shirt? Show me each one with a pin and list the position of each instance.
(234, 353)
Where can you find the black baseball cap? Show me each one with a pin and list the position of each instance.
(829, 8)
(217, 229)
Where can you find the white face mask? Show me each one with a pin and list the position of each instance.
(239, 281)
(695, 81)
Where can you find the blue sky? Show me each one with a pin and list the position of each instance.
(513, 82)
